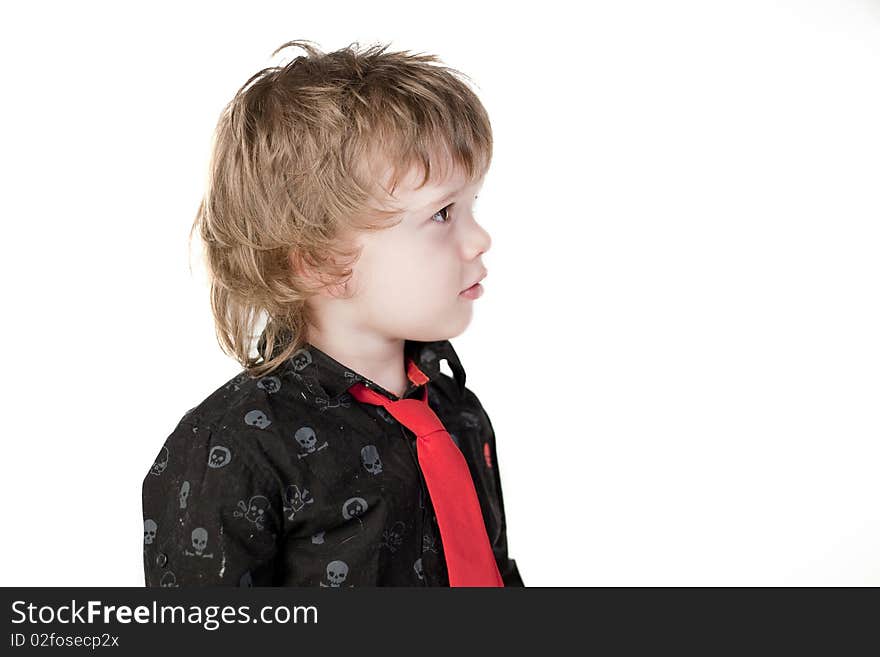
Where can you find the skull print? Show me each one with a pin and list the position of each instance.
(184, 494)
(354, 507)
(255, 510)
(301, 359)
(307, 439)
(199, 539)
(219, 456)
(392, 538)
(168, 580)
(270, 384)
(296, 500)
(236, 383)
(370, 459)
(257, 418)
(337, 572)
(161, 462)
(149, 531)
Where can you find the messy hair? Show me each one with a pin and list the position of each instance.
(304, 157)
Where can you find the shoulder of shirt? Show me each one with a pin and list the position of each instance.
(222, 414)
(217, 407)
(230, 402)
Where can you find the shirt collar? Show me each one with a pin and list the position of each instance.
(329, 380)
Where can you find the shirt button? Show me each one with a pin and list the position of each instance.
(161, 559)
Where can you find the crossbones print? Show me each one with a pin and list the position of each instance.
(297, 499)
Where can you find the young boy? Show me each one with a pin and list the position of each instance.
(339, 207)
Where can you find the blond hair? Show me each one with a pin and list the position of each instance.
(298, 159)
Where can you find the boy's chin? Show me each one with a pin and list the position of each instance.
(447, 331)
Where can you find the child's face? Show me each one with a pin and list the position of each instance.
(408, 279)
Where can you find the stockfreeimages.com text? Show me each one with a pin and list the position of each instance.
(210, 617)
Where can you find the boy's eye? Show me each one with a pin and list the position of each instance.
(443, 212)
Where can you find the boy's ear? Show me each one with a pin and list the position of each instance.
(312, 279)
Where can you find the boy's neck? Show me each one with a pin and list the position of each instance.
(375, 357)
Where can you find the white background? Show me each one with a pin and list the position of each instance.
(678, 345)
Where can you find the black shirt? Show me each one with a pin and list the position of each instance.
(287, 480)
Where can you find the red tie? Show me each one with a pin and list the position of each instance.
(469, 557)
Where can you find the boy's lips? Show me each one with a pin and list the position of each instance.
(475, 291)
(485, 273)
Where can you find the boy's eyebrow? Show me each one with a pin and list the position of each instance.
(443, 200)
(446, 198)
